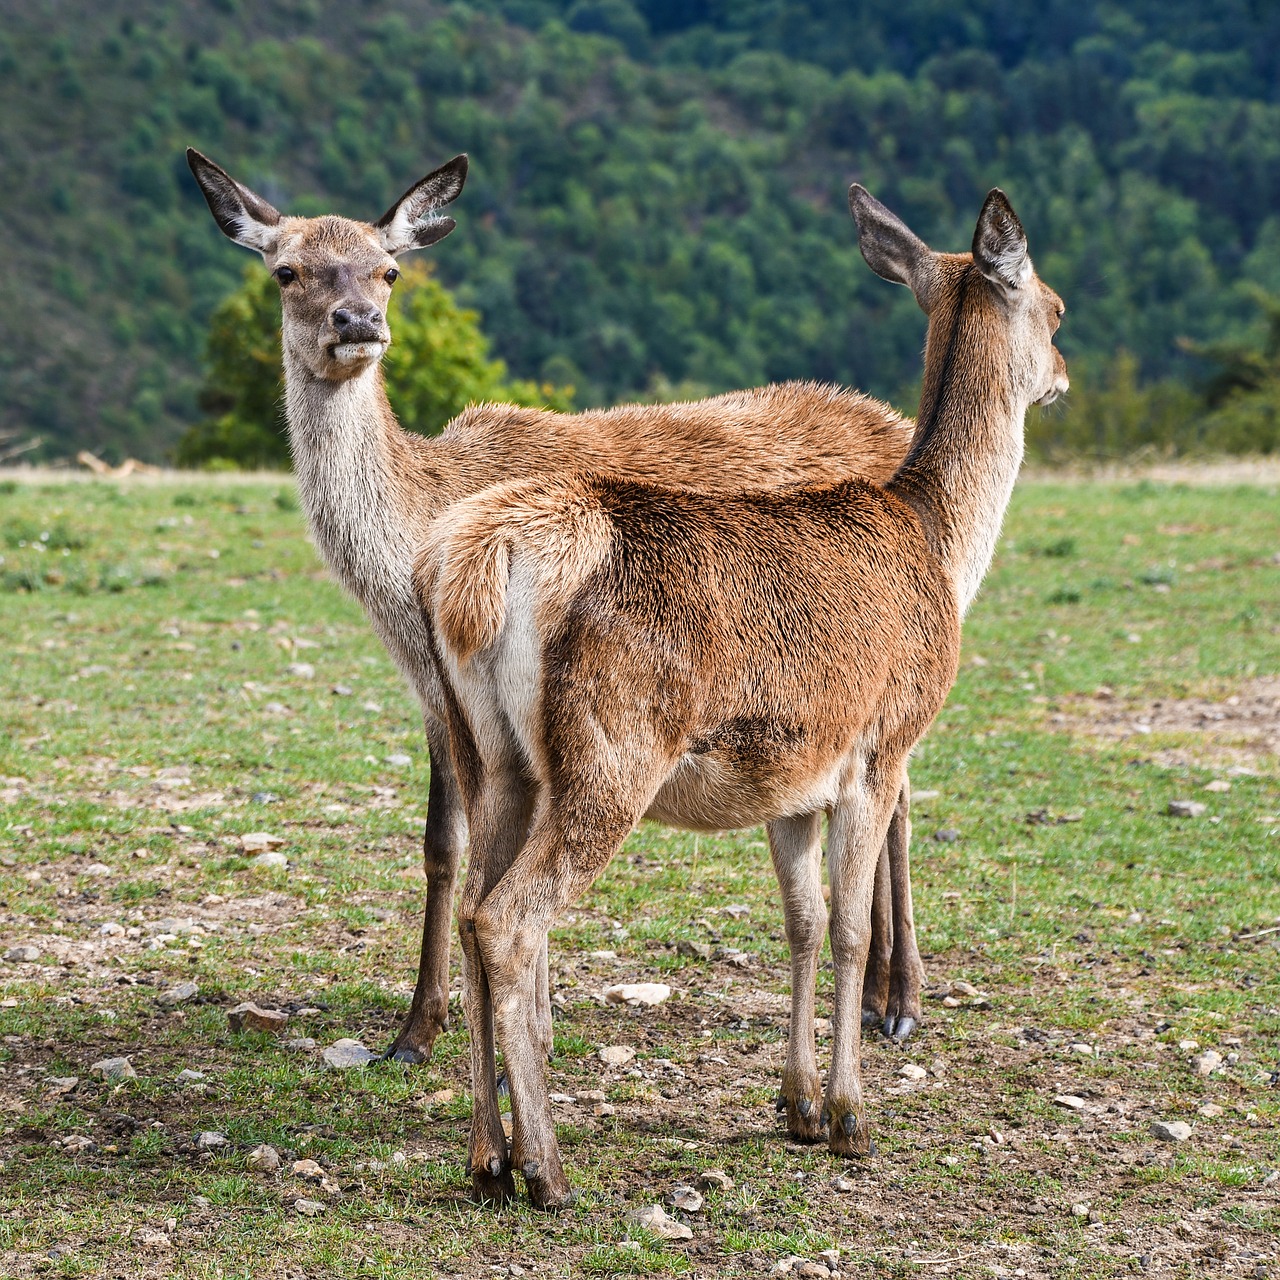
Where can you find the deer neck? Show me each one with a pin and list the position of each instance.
(967, 448)
(353, 466)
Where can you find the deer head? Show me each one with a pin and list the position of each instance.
(335, 274)
(1018, 313)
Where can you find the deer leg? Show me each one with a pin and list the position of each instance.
(906, 969)
(797, 860)
(875, 982)
(572, 841)
(859, 823)
(442, 845)
(501, 822)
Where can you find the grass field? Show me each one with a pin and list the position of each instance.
(179, 672)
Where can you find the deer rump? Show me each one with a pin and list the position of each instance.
(750, 707)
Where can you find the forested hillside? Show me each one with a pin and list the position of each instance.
(657, 191)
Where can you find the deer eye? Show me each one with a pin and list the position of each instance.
(286, 275)
(391, 276)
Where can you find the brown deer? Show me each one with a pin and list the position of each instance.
(612, 648)
(370, 490)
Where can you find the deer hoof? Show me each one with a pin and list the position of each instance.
(903, 1028)
(871, 1017)
(493, 1184)
(549, 1193)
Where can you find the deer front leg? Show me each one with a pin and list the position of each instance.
(859, 823)
(797, 859)
(442, 845)
(906, 969)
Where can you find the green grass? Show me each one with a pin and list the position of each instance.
(150, 716)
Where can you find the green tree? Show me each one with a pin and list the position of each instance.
(438, 364)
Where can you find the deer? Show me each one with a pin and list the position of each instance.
(612, 648)
(370, 490)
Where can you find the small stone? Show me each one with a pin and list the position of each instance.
(76, 1142)
(1211, 1111)
(812, 1270)
(341, 690)
(645, 994)
(714, 1180)
(1084, 1050)
(302, 670)
(309, 1208)
(699, 950)
(442, 1096)
(842, 1184)
(271, 859)
(264, 797)
(344, 1054)
(263, 1159)
(966, 990)
(249, 1017)
(1171, 1130)
(300, 1043)
(785, 1266)
(1187, 1045)
(1185, 808)
(1069, 1102)
(114, 1069)
(181, 994)
(655, 1219)
(308, 1169)
(111, 929)
(399, 760)
(831, 1257)
(97, 869)
(210, 1140)
(562, 1099)
(617, 1055)
(910, 1071)
(187, 1076)
(948, 835)
(24, 954)
(1206, 1063)
(260, 841)
(151, 1238)
(1080, 1210)
(62, 1084)
(686, 1198)
(1218, 786)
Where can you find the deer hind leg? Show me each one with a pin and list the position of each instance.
(797, 859)
(442, 845)
(906, 969)
(859, 823)
(875, 981)
(571, 842)
(501, 816)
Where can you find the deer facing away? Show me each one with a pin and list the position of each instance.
(612, 648)
(370, 491)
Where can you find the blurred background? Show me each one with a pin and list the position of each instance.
(656, 207)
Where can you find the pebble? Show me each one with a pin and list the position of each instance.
(617, 1055)
(656, 1219)
(1185, 808)
(341, 690)
(645, 994)
(187, 1076)
(210, 1140)
(260, 841)
(308, 1169)
(842, 1184)
(263, 1159)
(1171, 1130)
(97, 869)
(181, 994)
(25, 954)
(1069, 1101)
(1084, 1050)
(249, 1017)
(1206, 1063)
(1080, 1210)
(271, 859)
(1211, 1111)
(78, 1142)
(152, 1238)
(1218, 786)
(785, 1266)
(111, 929)
(345, 1053)
(966, 989)
(264, 797)
(948, 835)
(699, 950)
(399, 760)
(309, 1208)
(685, 1198)
(114, 1069)
(300, 1042)
(910, 1071)
(562, 1099)
(303, 670)
(62, 1084)
(715, 1180)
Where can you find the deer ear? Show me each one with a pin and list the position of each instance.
(1000, 243)
(243, 216)
(412, 222)
(891, 248)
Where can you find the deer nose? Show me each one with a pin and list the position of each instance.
(356, 322)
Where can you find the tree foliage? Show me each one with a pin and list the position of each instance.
(657, 192)
(438, 364)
